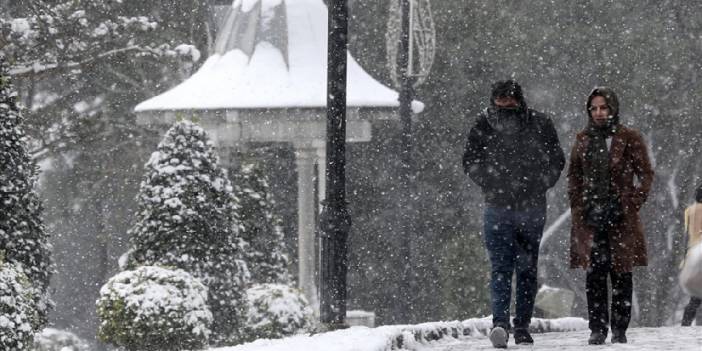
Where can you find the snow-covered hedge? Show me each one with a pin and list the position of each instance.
(19, 316)
(153, 308)
(187, 219)
(23, 238)
(261, 227)
(275, 311)
(51, 339)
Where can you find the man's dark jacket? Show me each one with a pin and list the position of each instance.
(514, 168)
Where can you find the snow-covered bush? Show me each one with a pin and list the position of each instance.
(187, 219)
(50, 339)
(153, 308)
(265, 256)
(275, 311)
(19, 317)
(23, 239)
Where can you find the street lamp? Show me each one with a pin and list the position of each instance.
(411, 44)
(335, 220)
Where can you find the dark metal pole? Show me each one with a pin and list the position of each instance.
(406, 92)
(406, 205)
(335, 220)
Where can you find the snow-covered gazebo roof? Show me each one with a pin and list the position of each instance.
(270, 54)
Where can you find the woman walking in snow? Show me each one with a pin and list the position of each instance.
(607, 237)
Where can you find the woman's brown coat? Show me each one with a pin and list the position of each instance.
(627, 158)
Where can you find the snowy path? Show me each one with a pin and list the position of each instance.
(640, 339)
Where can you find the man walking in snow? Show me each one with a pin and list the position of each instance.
(514, 155)
(607, 237)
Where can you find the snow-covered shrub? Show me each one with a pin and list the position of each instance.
(275, 311)
(153, 308)
(19, 317)
(261, 229)
(50, 339)
(187, 219)
(23, 239)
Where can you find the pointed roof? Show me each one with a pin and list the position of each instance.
(271, 54)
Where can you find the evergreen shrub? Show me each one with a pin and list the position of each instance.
(261, 229)
(187, 219)
(276, 311)
(155, 309)
(19, 317)
(50, 339)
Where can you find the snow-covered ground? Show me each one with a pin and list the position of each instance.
(470, 335)
(640, 339)
(398, 337)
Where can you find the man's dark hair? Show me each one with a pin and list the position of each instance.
(698, 193)
(507, 88)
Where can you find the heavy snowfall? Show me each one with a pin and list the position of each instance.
(163, 169)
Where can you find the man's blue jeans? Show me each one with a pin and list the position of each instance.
(512, 238)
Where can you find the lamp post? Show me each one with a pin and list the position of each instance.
(335, 220)
(410, 47)
(406, 205)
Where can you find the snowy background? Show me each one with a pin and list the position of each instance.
(81, 67)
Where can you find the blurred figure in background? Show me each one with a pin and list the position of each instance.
(693, 227)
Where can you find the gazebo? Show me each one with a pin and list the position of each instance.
(266, 82)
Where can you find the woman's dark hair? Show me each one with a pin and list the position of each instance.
(609, 96)
(698, 193)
